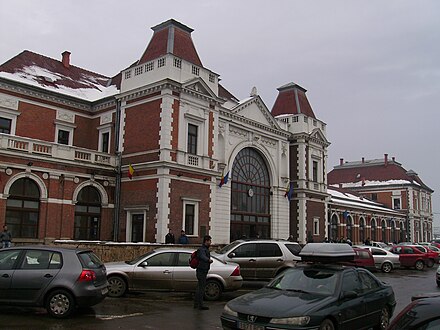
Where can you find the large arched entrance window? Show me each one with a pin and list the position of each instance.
(250, 208)
(393, 231)
(334, 228)
(349, 227)
(87, 214)
(362, 230)
(373, 230)
(22, 208)
(384, 231)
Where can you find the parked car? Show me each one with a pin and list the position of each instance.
(168, 269)
(437, 276)
(364, 258)
(433, 256)
(411, 256)
(384, 260)
(315, 296)
(261, 259)
(421, 313)
(381, 245)
(58, 279)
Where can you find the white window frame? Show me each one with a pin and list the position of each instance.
(64, 127)
(315, 226)
(11, 115)
(400, 202)
(195, 202)
(103, 130)
(200, 123)
(130, 213)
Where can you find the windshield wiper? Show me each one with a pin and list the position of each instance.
(297, 290)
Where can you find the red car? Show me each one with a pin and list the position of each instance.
(363, 258)
(411, 256)
(432, 255)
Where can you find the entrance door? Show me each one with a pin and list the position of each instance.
(137, 228)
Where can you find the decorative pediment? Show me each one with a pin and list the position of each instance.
(253, 108)
(318, 136)
(199, 86)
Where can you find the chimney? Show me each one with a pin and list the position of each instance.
(341, 161)
(386, 159)
(66, 59)
(363, 160)
(393, 158)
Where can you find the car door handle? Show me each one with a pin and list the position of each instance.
(252, 260)
(5, 275)
(48, 276)
(166, 272)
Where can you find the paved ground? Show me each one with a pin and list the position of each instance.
(174, 310)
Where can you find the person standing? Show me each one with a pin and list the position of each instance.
(5, 237)
(169, 238)
(183, 239)
(202, 270)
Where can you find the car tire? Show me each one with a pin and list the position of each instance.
(60, 304)
(430, 263)
(213, 290)
(117, 286)
(419, 265)
(327, 324)
(387, 267)
(384, 320)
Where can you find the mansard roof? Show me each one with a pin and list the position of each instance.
(376, 172)
(59, 76)
(171, 37)
(292, 100)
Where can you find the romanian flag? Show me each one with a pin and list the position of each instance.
(130, 171)
(289, 191)
(224, 180)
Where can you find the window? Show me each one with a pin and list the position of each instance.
(190, 221)
(294, 248)
(87, 214)
(161, 62)
(374, 197)
(350, 282)
(368, 283)
(139, 70)
(23, 208)
(8, 259)
(315, 171)
(316, 226)
(63, 137)
(127, 74)
(39, 259)
(195, 70)
(269, 250)
(5, 125)
(149, 66)
(295, 119)
(396, 203)
(246, 250)
(211, 78)
(105, 142)
(177, 63)
(161, 259)
(305, 119)
(192, 139)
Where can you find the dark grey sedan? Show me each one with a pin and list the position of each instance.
(58, 279)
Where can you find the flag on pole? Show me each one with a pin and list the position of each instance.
(224, 180)
(130, 171)
(289, 191)
(345, 214)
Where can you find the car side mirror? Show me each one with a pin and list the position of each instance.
(231, 255)
(143, 264)
(349, 295)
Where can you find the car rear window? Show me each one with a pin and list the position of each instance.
(295, 249)
(89, 260)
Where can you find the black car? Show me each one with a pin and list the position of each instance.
(421, 314)
(314, 296)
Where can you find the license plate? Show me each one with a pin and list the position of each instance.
(249, 326)
(104, 291)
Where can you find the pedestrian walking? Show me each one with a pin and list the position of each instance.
(5, 237)
(169, 238)
(202, 271)
(183, 239)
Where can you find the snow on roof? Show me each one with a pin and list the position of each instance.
(368, 183)
(94, 87)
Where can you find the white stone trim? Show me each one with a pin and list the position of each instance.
(101, 189)
(36, 178)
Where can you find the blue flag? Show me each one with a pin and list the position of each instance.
(224, 180)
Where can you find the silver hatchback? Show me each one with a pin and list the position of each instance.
(58, 279)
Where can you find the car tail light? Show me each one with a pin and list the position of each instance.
(236, 271)
(87, 276)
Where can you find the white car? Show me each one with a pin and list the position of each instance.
(383, 259)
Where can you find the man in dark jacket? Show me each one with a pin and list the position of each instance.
(202, 271)
(5, 237)
(169, 238)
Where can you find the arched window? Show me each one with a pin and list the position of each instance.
(362, 230)
(393, 231)
(87, 214)
(402, 232)
(22, 208)
(250, 196)
(349, 227)
(384, 231)
(373, 230)
(334, 228)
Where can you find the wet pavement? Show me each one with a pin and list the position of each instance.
(174, 310)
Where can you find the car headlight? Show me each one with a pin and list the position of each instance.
(300, 320)
(228, 311)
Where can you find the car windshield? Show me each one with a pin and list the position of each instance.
(136, 260)
(307, 280)
(228, 247)
(90, 260)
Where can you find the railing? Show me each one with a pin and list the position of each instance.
(55, 150)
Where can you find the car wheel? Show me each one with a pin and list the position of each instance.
(384, 319)
(213, 290)
(430, 263)
(327, 325)
(116, 286)
(60, 304)
(419, 265)
(387, 267)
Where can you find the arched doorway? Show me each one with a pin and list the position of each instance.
(88, 214)
(402, 232)
(22, 208)
(334, 228)
(384, 231)
(373, 230)
(250, 196)
(362, 230)
(393, 231)
(349, 227)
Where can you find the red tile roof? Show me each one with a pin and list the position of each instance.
(171, 37)
(292, 100)
(223, 92)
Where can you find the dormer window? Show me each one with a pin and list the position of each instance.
(178, 63)
(127, 74)
(149, 66)
(211, 78)
(139, 70)
(161, 62)
(195, 70)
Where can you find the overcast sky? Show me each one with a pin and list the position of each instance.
(371, 68)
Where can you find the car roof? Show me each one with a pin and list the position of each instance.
(264, 240)
(49, 248)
